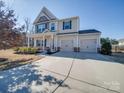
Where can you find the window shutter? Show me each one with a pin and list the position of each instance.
(46, 26)
(36, 28)
(70, 24)
(63, 25)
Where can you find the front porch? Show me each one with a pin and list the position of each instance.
(43, 41)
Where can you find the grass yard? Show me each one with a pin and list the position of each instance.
(14, 60)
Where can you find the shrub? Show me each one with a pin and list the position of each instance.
(33, 50)
(16, 48)
(27, 50)
(22, 50)
(106, 48)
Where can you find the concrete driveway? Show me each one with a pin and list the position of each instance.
(65, 72)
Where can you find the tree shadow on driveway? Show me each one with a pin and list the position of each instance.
(28, 79)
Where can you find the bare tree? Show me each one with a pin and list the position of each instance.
(27, 28)
(10, 34)
(27, 24)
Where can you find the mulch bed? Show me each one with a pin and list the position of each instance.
(3, 59)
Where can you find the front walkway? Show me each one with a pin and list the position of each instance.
(65, 72)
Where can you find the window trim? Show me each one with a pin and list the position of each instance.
(69, 22)
(41, 27)
(54, 26)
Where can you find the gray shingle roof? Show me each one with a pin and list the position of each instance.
(67, 33)
(88, 31)
(81, 32)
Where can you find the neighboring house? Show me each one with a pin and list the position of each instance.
(121, 42)
(62, 34)
(121, 45)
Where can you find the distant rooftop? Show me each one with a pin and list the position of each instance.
(121, 40)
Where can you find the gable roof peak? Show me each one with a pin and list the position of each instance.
(47, 13)
(44, 8)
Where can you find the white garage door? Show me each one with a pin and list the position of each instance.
(67, 45)
(88, 45)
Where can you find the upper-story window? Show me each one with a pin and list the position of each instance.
(52, 26)
(41, 27)
(67, 25)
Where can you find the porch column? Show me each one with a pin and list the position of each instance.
(35, 44)
(40, 43)
(43, 43)
(77, 41)
(32, 42)
(56, 41)
(28, 42)
(52, 42)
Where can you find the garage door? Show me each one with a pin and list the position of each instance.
(67, 45)
(88, 45)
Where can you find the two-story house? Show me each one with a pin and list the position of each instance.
(62, 34)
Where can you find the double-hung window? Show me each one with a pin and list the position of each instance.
(41, 27)
(52, 26)
(67, 25)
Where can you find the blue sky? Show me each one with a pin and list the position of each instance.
(104, 15)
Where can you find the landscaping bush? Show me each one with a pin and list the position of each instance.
(106, 48)
(26, 50)
(16, 48)
(33, 50)
(23, 50)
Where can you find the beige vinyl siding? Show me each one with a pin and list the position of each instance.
(74, 26)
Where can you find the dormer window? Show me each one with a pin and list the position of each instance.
(67, 25)
(52, 26)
